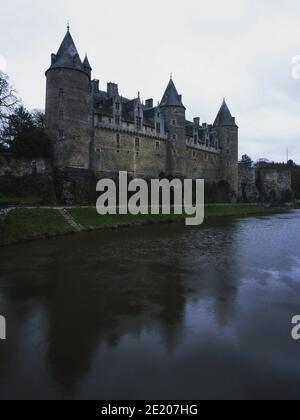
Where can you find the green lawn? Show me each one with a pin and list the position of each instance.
(88, 217)
(25, 224)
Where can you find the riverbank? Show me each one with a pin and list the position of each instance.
(26, 224)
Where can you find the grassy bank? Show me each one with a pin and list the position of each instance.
(89, 218)
(26, 224)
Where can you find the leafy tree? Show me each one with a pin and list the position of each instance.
(291, 163)
(246, 161)
(38, 117)
(25, 134)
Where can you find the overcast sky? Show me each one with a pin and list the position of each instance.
(239, 49)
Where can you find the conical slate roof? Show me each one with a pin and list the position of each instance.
(171, 97)
(67, 55)
(224, 117)
(86, 63)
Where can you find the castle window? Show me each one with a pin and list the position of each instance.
(60, 92)
(137, 143)
(174, 137)
(194, 155)
(117, 120)
(61, 134)
(158, 128)
(118, 141)
(117, 106)
(173, 122)
(195, 139)
(61, 115)
(138, 123)
(157, 145)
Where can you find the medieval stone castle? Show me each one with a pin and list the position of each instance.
(104, 133)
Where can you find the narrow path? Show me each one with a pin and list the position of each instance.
(70, 219)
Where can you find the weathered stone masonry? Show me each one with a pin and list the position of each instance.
(103, 133)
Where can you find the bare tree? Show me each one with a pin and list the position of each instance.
(8, 100)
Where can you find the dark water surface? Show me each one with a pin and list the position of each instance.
(157, 312)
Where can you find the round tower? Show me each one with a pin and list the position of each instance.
(173, 112)
(68, 107)
(227, 133)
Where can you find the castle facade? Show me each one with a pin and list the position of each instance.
(103, 132)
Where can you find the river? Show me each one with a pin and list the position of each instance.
(154, 312)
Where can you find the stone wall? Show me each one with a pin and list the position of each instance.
(275, 185)
(266, 185)
(27, 178)
(248, 191)
(147, 158)
(23, 167)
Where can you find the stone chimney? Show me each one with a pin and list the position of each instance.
(149, 103)
(112, 89)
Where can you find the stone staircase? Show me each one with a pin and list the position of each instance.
(70, 219)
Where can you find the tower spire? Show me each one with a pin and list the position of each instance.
(68, 26)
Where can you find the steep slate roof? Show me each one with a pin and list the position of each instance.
(224, 117)
(86, 63)
(171, 96)
(67, 55)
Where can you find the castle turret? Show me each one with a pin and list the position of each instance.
(87, 66)
(227, 134)
(68, 107)
(173, 112)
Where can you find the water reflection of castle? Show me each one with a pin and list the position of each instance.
(91, 302)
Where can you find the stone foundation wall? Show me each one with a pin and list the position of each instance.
(275, 185)
(248, 191)
(271, 185)
(27, 178)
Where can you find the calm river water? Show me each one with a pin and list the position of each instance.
(156, 312)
